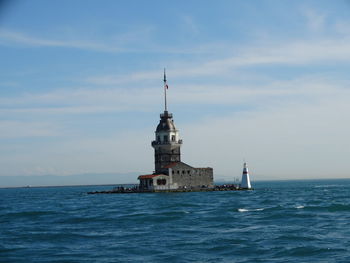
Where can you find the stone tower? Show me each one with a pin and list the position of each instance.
(170, 172)
(167, 142)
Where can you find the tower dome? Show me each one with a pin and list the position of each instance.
(166, 123)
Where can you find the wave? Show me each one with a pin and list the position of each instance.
(249, 210)
(327, 185)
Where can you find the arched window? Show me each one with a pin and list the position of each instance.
(161, 181)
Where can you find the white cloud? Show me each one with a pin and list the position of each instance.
(296, 53)
(342, 27)
(257, 94)
(128, 42)
(133, 98)
(98, 100)
(295, 141)
(314, 19)
(10, 38)
(190, 24)
(83, 154)
(80, 100)
(121, 79)
(16, 129)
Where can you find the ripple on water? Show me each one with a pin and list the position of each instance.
(242, 210)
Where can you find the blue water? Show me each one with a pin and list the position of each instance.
(290, 221)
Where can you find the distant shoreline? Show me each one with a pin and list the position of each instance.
(56, 186)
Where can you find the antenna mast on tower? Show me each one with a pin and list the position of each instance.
(165, 88)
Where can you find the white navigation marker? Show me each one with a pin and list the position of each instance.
(245, 183)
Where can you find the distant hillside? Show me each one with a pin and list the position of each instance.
(79, 179)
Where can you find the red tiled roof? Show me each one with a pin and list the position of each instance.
(148, 176)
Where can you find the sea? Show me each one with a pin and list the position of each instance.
(278, 221)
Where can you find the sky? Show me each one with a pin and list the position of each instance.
(263, 81)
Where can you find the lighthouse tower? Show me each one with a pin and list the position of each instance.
(245, 183)
(167, 142)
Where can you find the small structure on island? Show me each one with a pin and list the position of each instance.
(245, 183)
(170, 172)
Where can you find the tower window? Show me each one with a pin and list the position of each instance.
(161, 182)
(173, 138)
(158, 138)
(165, 138)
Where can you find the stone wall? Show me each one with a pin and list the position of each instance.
(188, 177)
(179, 176)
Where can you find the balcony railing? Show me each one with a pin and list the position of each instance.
(166, 143)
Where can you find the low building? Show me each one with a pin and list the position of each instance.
(178, 175)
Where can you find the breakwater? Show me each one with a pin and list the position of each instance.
(137, 189)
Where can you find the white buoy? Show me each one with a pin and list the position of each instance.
(245, 183)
